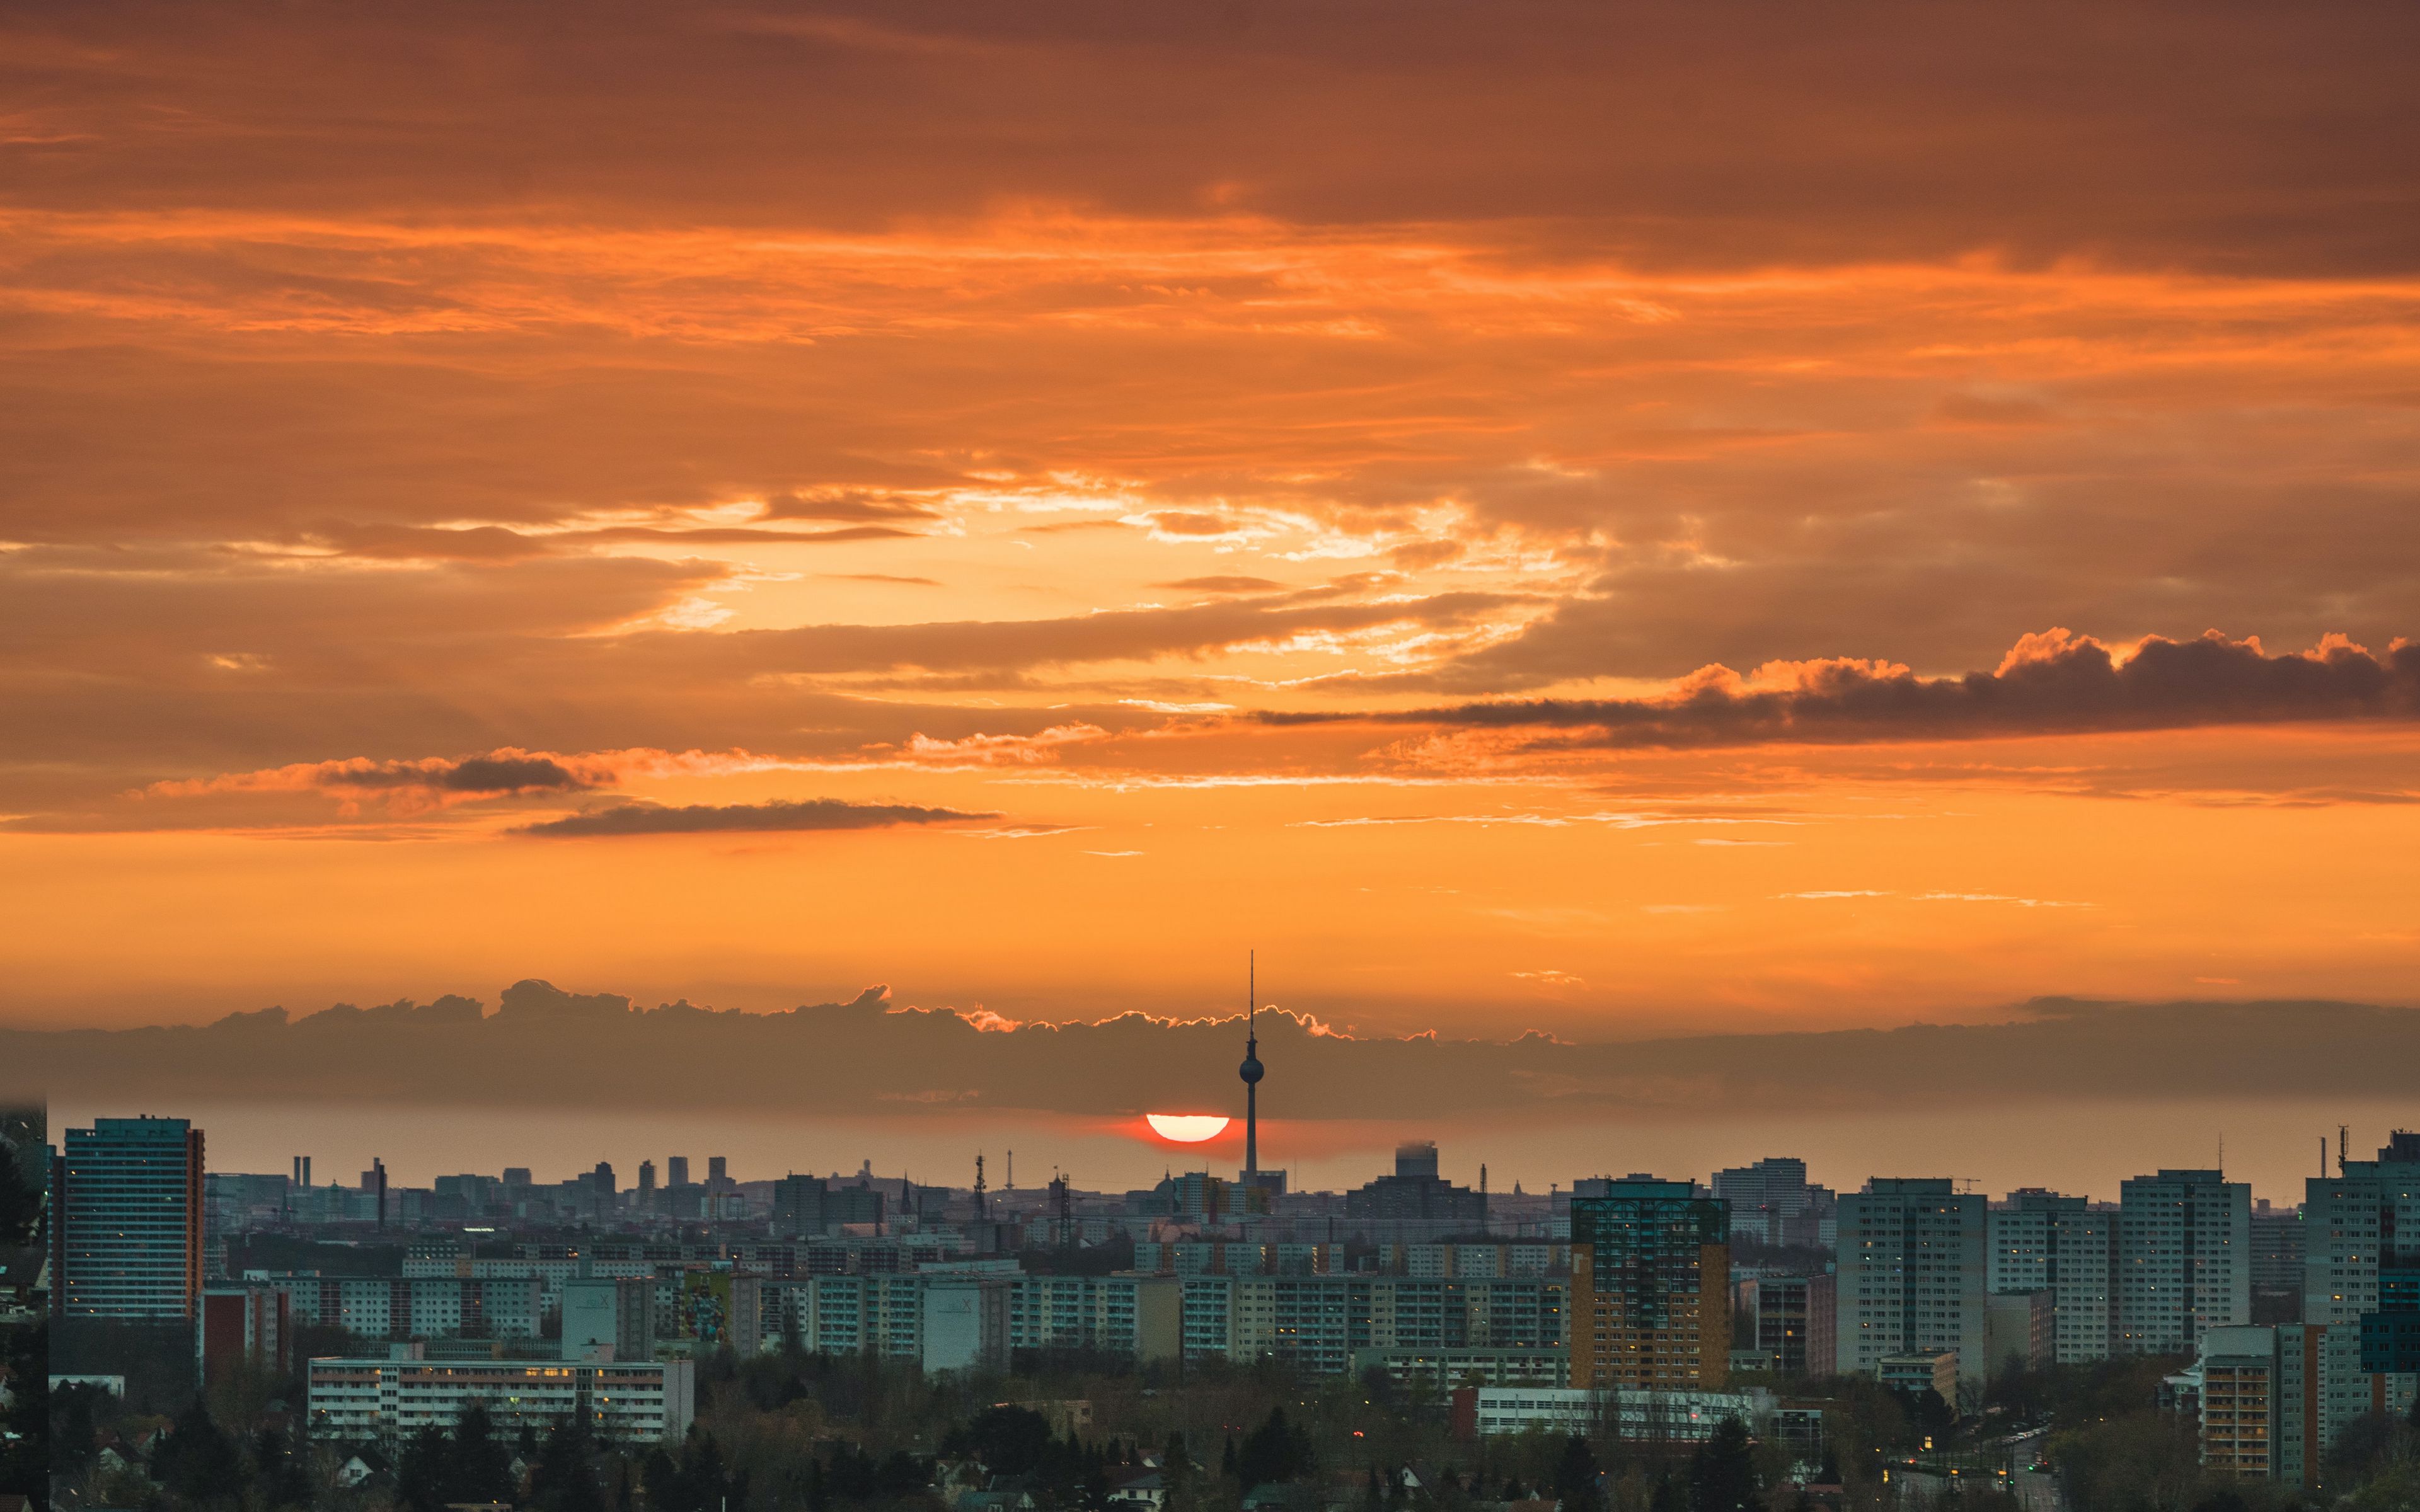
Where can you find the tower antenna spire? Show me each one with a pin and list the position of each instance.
(1252, 1069)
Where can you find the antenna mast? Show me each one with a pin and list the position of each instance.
(1252, 1071)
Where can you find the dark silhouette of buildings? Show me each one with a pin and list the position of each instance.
(1417, 1191)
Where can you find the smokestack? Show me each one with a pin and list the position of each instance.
(2344, 1142)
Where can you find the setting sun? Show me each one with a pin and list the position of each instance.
(1187, 1128)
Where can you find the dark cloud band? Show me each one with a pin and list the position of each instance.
(779, 814)
(2053, 684)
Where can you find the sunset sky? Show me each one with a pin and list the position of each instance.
(1611, 520)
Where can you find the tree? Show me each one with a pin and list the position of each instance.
(1007, 1440)
(420, 1478)
(562, 1479)
(1722, 1474)
(480, 1468)
(1176, 1475)
(1275, 1451)
(1575, 1476)
(44, 1431)
(280, 1475)
(197, 1461)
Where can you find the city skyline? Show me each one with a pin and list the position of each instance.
(660, 665)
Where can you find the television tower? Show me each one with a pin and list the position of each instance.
(1252, 1072)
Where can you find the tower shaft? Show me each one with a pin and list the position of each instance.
(1252, 1072)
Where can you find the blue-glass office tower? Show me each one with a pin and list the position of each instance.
(128, 1243)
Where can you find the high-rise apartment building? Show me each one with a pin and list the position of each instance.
(2357, 1225)
(2042, 1241)
(1911, 1274)
(2272, 1401)
(1650, 1287)
(1791, 1319)
(1324, 1322)
(676, 1170)
(243, 1325)
(2184, 1260)
(609, 1318)
(129, 1243)
(2276, 1248)
(2360, 1281)
(2239, 1401)
(1773, 1202)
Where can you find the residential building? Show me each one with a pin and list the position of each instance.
(412, 1308)
(2271, 1401)
(127, 1245)
(1449, 1368)
(1911, 1274)
(965, 1323)
(1921, 1370)
(2358, 1224)
(388, 1400)
(1791, 1319)
(1325, 1323)
(1650, 1287)
(2360, 1282)
(609, 1318)
(2019, 1330)
(1631, 1414)
(2044, 1241)
(250, 1325)
(1773, 1202)
(2239, 1401)
(1135, 1317)
(2276, 1248)
(798, 1205)
(2184, 1260)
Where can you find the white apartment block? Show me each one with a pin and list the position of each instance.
(895, 1315)
(1633, 1413)
(2273, 1400)
(419, 1307)
(1911, 1274)
(355, 1401)
(2044, 1242)
(1140, 1317)
(2346, 1221)
(1327, 1324)
(2184, 1260)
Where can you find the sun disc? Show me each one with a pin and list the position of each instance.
(1187, 1128)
